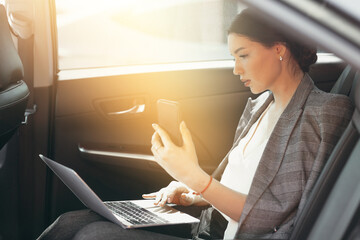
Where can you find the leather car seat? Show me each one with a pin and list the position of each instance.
(14, 92)
(14, 95)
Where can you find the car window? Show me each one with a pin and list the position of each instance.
(107, 33)
(351, 7)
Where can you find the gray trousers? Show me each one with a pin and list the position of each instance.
(86, 224)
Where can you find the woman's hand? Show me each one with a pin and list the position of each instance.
(176, 193)
(180, 162)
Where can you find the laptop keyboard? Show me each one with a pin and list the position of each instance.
(133, 213)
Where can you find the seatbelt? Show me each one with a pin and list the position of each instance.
(348, 83)
(352, 91)
(345, 81)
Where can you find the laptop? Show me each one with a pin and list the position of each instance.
(127, 214)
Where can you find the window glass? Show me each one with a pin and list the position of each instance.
(105, 33)
(351, 7)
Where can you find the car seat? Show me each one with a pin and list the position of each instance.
(14, 92)
(14, 95)
(348, 84)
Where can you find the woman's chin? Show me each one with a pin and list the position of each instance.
(257, 91)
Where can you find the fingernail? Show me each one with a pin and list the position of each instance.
(169, 200)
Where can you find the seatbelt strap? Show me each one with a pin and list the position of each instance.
(348, 82)
(355, 81)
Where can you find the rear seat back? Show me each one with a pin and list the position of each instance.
(348, 83)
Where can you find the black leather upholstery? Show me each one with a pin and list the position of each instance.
(335, 164)
(13, 91)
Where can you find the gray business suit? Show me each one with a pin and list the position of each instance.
(298, 147)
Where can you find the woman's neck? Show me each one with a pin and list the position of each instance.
(285, 89)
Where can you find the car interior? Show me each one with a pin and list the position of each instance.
(97, 119)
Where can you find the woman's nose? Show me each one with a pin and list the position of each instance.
(238, 70)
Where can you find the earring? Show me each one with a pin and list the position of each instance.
(281, 58)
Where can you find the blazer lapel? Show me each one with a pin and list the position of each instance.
(275, 149)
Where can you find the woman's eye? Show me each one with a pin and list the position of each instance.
(243, 56)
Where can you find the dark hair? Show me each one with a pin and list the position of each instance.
(248, 24)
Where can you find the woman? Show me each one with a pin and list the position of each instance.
(281, 143)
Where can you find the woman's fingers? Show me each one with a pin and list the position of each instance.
(149, 195)
(171, 194)
(186, 135)
(161, 197)
(163, 136)
(156, 141)
(187, 199)
(163, 201)
(158, 197)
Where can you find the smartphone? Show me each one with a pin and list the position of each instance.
(169, 118)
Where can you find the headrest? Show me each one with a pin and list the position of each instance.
(11, 68)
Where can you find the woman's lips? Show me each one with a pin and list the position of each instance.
(246, 82)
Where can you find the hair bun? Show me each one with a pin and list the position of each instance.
(305, 56)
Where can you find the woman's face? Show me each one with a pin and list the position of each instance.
(258, 66)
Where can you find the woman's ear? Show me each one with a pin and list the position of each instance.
(280, 49)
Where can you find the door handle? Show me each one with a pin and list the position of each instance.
(105, 153)
(139, 108)
(122, 107)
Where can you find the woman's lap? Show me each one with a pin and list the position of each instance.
(108, 230)
(68, 224)
(86, 224)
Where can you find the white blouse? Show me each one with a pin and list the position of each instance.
(244, 159)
